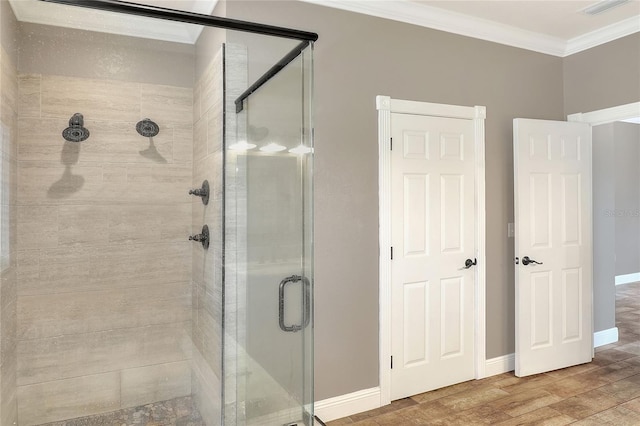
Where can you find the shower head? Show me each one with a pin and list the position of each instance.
(76, 132)
(147, 128)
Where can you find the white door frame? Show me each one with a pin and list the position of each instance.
(607, 115)
(385, 106)
(595, 118)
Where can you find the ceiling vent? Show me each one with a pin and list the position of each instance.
(603, 6)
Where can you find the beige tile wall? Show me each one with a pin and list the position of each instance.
(8, 243)
(103, 263)
(236, 82)
(207, 265)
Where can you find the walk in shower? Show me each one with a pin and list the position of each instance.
(156, 220)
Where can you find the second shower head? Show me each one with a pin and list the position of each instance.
(147, 128)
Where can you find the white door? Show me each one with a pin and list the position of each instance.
(552, 171)
(433, 234)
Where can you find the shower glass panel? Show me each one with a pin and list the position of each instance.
(119, 306)
(269, 196)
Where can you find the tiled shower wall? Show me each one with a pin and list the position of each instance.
(207, 265)
(235, 79)
(8, 249)
(104, 266)
(211, 96)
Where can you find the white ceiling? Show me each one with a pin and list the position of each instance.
(558, 28)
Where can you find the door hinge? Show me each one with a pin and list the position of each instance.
(391, 253)
(391, 144)
(392, 362)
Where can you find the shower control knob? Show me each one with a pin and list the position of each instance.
(202, 192)
(202, 238)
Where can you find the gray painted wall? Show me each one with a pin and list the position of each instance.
(604, 240)
(357, 58)
(626, 140)
(598, 78)
(605, 76)
(616, 213)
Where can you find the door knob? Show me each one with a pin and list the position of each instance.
(469, 263)
(526, 260)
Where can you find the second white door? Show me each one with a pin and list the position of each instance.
(553, 280)
(433, 265)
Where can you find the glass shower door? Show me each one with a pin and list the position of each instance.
(273, 210)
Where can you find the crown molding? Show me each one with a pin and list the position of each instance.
(603, 35)
(466, 25)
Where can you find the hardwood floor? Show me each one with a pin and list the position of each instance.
(604, 392)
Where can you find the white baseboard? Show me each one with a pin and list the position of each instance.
(369, 399)
(506, 363)
(628, 278)
(604, 337)
(347, 405)
(499, 365)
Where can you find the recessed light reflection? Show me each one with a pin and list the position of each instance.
(273, 147)
(301, 149)
(242, 146)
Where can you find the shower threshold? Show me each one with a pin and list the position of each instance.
(174, 412)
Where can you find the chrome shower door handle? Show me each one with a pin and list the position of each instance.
(307, 303)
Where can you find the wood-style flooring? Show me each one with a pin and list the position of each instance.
(604, 392)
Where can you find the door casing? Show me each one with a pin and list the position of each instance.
(607, 115)
(385, 106)
(596, 118)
